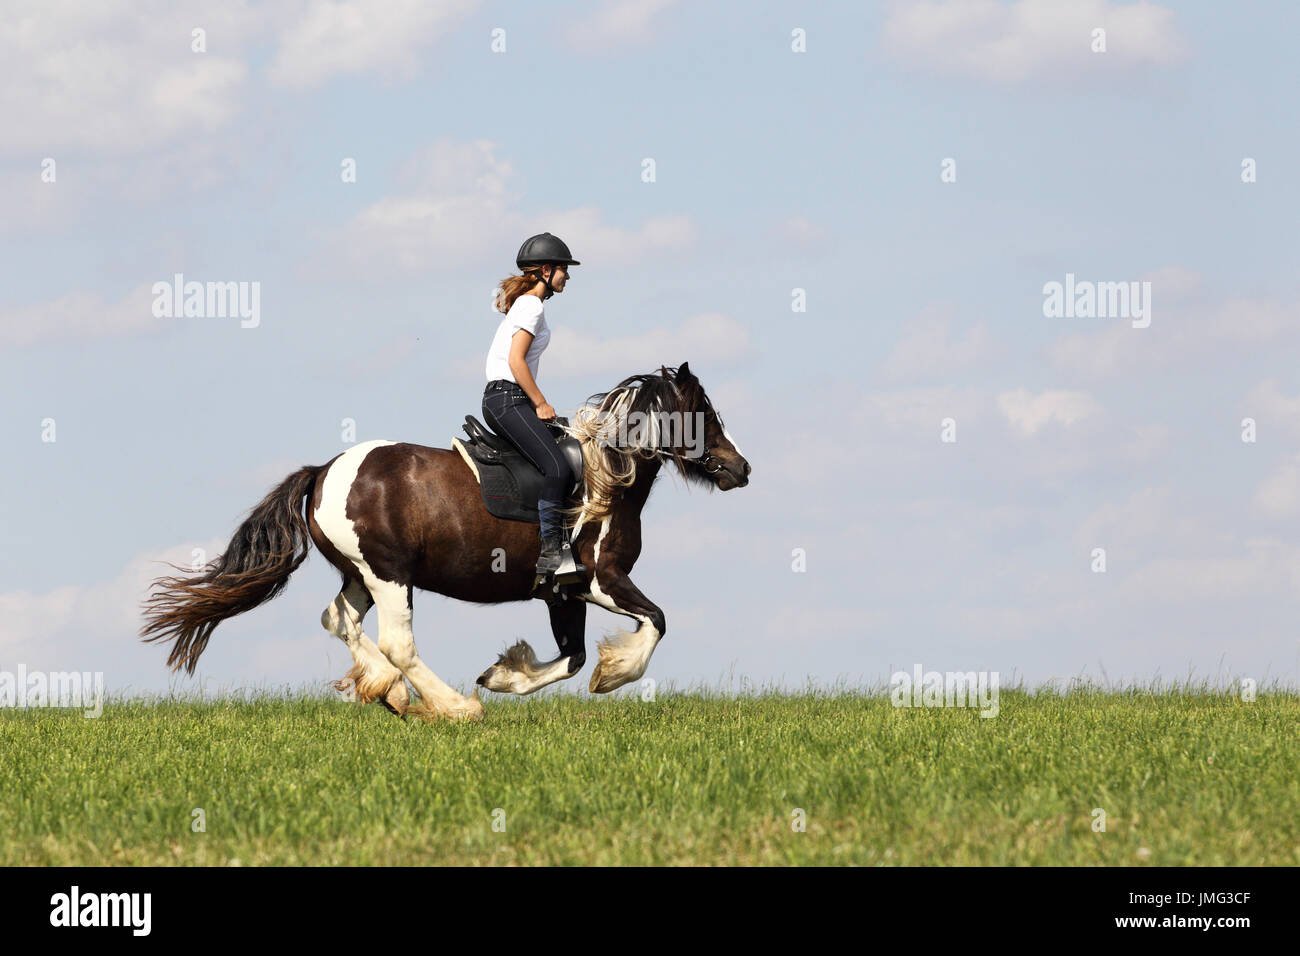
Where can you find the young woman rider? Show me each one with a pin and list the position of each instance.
(513, 403)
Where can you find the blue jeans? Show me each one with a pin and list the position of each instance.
(510, 412)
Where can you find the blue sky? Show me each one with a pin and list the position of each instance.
(774, 170)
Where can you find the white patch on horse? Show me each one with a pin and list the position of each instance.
(376, 676)
(332, 514)
(578, 523)
(727, 435)
(525, 676)
(396, 639)
(624, 655)
(595, 554)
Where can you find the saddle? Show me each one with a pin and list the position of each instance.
(510, 483)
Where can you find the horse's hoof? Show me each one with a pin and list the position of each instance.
(397, 700)
(474, 713)
(602, 682)
(495, 678)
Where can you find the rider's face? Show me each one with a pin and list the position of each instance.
(559, 276)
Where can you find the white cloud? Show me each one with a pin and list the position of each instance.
(611, 244)
(1028, 39)
(1147, 442)
(1173, 282)
(921, 409)
(929, 350)
(80, 315)
(450, 167)
(1103, 354)
(455, 210)
(1268, 567)
(118, 75)
(709, 339)
(1266, 403)
(802, 231)
(36, 626)
(616, 24)
(362, 36)
(459, 209)
(1278, 495)
(1149, 521)
(1167, 546)
(1189, 331)
(1248, 321)
(1028, 413)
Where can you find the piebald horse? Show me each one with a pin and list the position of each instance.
(393, 516)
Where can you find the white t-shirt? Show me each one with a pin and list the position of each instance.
(525, 313)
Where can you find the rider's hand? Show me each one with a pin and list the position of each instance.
(545, 412)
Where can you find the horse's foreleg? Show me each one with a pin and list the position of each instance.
(624, 655)
(517, 670)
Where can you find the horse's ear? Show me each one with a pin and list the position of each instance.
(684, 372)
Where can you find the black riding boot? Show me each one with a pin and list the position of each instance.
(552, 551)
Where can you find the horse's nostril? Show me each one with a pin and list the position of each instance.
(747, 469)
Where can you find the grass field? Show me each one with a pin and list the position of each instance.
(1185, 777)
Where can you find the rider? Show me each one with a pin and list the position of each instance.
(513, 404)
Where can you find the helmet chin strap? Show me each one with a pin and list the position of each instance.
(546, 281)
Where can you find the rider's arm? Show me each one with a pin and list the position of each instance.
(519, 343)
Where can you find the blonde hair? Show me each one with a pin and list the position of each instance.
(512, 287)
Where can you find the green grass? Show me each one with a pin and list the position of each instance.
(1185, 777)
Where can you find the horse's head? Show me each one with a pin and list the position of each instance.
(708, 454)
(653, 417)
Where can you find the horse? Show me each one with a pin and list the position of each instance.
(394, 516)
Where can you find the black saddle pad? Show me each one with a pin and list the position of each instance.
(506, 494)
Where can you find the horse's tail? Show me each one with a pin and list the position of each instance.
(268, 547)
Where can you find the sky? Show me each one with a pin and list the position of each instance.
(843, 215)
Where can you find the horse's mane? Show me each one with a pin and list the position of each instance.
(608, 466)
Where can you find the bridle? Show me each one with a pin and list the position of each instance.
(710, 462)
(710, 457)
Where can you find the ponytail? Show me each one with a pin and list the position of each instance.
(512, 287)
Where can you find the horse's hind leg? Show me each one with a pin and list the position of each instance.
(397, 642)
(517, 670)
(372, 677)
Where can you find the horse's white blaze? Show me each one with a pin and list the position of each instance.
(396, 639)
(727, 435)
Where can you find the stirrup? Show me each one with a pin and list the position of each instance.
(569, 571)
(564, 579)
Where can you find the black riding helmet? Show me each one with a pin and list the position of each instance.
(544, 249)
